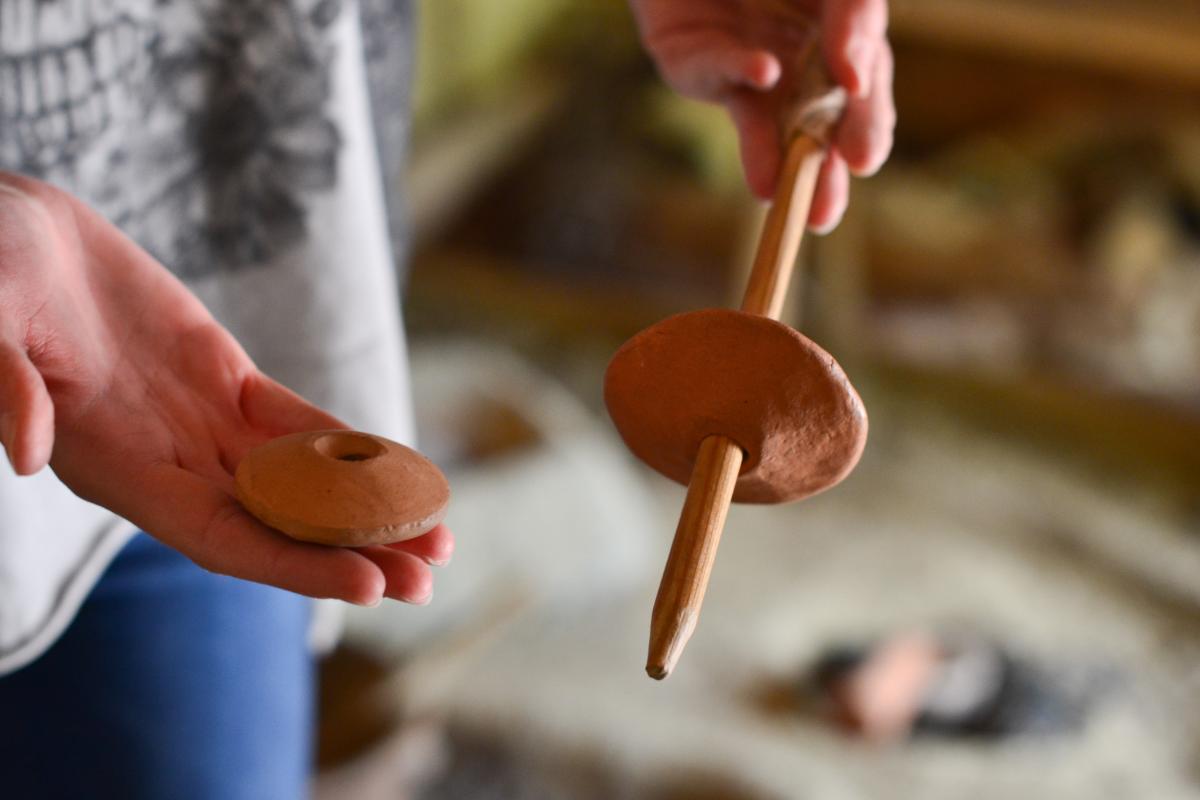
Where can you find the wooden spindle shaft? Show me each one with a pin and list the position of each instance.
(681, 591)
(719, 459)
(779, 243)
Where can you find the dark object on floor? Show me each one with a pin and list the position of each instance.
(917, 683)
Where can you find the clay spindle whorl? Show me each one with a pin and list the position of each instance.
(342, 488)
(758, 382)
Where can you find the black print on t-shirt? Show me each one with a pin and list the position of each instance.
(198, 126)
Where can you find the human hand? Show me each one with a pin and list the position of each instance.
(736, 53)
(115, 375)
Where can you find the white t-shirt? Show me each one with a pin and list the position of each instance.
(248, 146)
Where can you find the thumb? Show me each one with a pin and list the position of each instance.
(26, 411)
(708, 68)
(276, 410)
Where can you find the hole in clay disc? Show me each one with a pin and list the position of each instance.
(348, 447)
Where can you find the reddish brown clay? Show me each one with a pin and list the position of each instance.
(779, 396)
(342, 488)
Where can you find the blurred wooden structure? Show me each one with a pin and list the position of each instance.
(1157, 40)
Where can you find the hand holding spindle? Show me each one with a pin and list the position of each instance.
(736, 404)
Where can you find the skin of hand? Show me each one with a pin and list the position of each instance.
(736, 52)
(117, 377)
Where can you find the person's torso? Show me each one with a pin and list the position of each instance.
(249, 146)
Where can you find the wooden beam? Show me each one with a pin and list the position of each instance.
(1158, 41)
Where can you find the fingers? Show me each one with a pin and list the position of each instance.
(831, 196)
(740, 67)
(762, 161)
(404, 564)
(409, 579)
(852, 32)
(864, 137)
(204, 523)
(435, 547)
(758, 136)
(275, 410)
(708, 65)
(26, 412)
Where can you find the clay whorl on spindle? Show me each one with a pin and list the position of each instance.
(758, 382)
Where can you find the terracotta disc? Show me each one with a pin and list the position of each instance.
(342, 488)
(783, 399)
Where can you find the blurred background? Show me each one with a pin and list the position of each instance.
(1002, 601)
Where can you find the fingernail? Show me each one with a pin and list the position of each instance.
(424, 601)
(369, 603)
(437, 562)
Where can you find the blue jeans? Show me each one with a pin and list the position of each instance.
(171, 684)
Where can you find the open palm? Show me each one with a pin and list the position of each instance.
(742, 53)
(117, 377)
